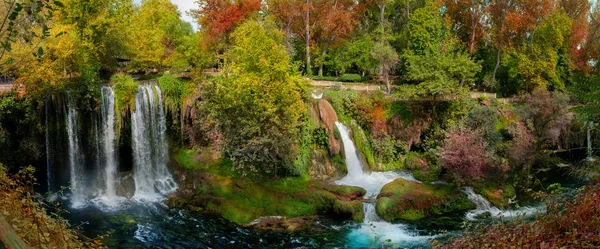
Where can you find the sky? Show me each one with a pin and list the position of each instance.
(184, 6)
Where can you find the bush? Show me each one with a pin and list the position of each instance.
(350, 78)
(125, 89)
(464, 155)
(27, 215)
(567, 225)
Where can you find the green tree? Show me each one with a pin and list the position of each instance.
(387, 59)
(258, 103)
(436, 63)
(544, 62)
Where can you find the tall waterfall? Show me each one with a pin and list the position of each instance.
(373, 182)
(107, 138)
(150, 148)
(76, 159)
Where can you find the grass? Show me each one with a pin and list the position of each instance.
(405, 200)
(220, 190)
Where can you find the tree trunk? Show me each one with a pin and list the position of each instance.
(499, 53)
(407, 30)
(382, 17)
(323, 54)
(308, 70)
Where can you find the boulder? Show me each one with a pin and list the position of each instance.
(406, 200)
(126, 187)
(305, 224)
(329, 117)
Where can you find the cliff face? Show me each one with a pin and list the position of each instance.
(328, 118)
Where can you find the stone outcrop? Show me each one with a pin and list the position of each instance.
(329, 117)
(126, 187)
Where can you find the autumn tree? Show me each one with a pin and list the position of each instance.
(468, 20)
(220, 17)
(464, 156)
(578, 12)
(258, 103)
(23, 21)
(543, 62)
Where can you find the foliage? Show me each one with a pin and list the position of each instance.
(30, 219)
(125, 89)
(543, 63)
(24, 21)
(464, 156)
(566, 224)
(258, 103)
(548, 117)
(387, 59)
(19, 137)
(586, 90)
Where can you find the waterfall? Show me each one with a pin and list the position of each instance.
(76, 160)
(484, 206)
(373, 226)
(107, 142)
(150, 148)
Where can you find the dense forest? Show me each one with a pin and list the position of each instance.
(482, 130)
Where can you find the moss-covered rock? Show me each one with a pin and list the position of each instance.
(406, 200)
(498, 196)
(211, 189)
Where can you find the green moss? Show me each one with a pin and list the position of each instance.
(498, 195)
(405, 200)
(125, 88)
(429, 174)
(175, 92)
(346, 190)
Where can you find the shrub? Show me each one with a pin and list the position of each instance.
(567, 225)
(27, 215)
(464, 155)
(350, 78)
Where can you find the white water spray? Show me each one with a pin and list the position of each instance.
(373, 226)
(484, 206)
(76, 160)
(150, 148)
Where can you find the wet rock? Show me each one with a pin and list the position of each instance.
(305, 224)
(406, 200)
(329, 117)
(126, 187)
(322, 168)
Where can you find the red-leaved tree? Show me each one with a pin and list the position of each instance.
(464, 155)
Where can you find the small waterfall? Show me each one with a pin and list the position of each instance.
(76, 160)
(107, 142)
(150, 148)
(373, 226)
(484, 206)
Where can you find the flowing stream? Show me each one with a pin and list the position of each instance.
(485, 208)
(375, 231)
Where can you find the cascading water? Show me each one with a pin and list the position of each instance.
(76, 160)
(107, 150)
(150, 148)
(374, 227)
(484, 206)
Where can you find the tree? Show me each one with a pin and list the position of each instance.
(548, 115)
(220, 17)
(258, 103)
(468, 18)
(544, 62)
(435, 62)
(157, 31)
(464, 156)
(24, 21)
(387, 58)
